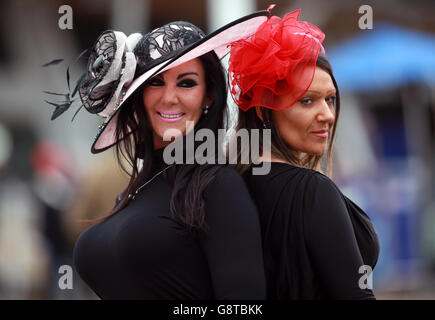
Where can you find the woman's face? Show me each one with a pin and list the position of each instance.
(306, 125)
(174, 97)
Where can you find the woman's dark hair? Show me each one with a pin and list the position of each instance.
(189, 180)
(279, 148)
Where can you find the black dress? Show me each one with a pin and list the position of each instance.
(314, 238)
(142, 252)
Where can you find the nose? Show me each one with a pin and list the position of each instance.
(326, 113)
(169, 95)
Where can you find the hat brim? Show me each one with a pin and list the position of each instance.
(217, 41)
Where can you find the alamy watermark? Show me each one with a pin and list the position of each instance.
(205, 153)
(66, 280)
(366, 20)
(366, 280)
(66, 20)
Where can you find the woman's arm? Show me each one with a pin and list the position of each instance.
(332, 245)
(232, 244)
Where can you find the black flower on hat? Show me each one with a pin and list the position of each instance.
(94, 94)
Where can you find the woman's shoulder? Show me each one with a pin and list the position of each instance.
(320, 191)
(227, 199)
(280, 168)
(226, 178)
(299, 179)
(324, 184)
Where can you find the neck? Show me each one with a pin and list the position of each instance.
(268, 157)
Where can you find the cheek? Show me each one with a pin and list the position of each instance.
(193, 104)
(194, 111)
(292, 127)
(148, 100)
(150, 103)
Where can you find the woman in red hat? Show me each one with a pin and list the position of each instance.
(317, 243)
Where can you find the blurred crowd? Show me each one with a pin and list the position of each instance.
(43, 210)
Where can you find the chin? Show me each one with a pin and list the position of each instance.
(316, 152)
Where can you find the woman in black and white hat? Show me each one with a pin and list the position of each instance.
(183, 230)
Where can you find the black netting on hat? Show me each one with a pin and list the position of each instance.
(165, 42)
(100, 60)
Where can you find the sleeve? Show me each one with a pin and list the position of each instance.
(232, 243)
(332, 245)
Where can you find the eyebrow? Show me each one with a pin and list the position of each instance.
(186, 74)
(318, 92)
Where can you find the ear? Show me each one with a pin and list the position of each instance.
(259, 113)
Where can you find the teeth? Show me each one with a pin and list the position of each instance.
(171, 116)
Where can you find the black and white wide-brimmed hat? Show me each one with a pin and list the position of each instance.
(114, 72)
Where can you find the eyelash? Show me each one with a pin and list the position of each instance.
(308, 101)
(332, 101)
(187, 83)
(155, 82)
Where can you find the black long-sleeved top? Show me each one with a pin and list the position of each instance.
(142, 252)
(315, 239)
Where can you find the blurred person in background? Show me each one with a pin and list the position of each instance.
(98, 186)
(178, 231)
(315, 239)
(24, 255)
(53, 186)
(96, 190)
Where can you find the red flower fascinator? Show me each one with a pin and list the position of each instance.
(279, 59)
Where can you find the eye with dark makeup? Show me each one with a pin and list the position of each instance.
(187, 83)
(159, 82)
(156, 82)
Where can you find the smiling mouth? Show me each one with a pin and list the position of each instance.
(170, 116)
(321, 133)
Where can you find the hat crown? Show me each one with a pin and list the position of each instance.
(164, 43)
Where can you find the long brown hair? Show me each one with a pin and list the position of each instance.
(279, 148)
(188, 180)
